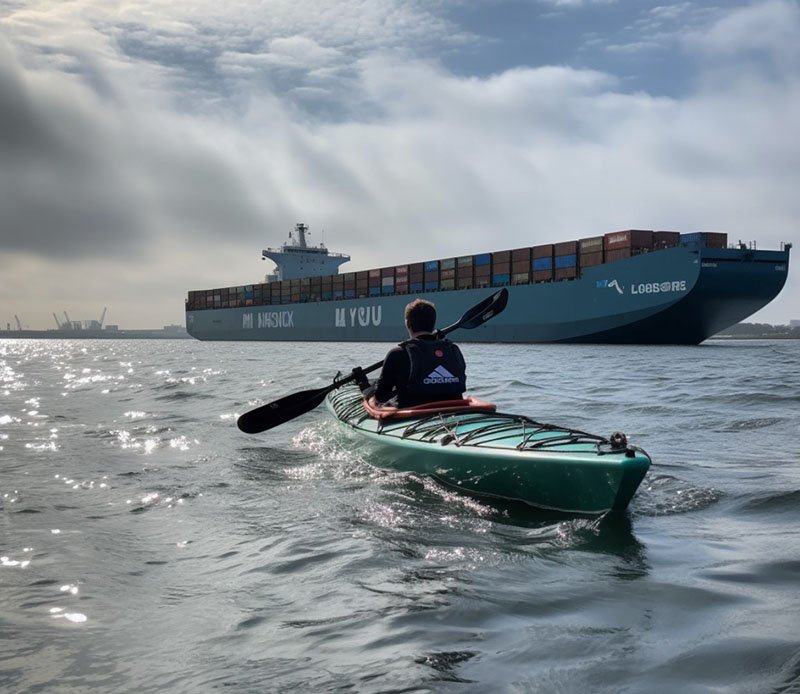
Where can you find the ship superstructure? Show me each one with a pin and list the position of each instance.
(297, 259)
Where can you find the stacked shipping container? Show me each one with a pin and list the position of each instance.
(545, 263)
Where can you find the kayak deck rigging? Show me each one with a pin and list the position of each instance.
(501, 455)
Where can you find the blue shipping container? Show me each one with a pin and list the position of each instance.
(483, 259)
(431, 265)
(387, 289)
(565, 261)
(501, 279)
(542, 263)
(415, 287)
(374, 290)
(349, 293)
(429, 286)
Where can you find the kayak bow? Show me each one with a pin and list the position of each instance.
(499, 455)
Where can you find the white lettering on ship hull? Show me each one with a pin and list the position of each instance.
(658, 287)
(363, 316)
(644, 287)
(268, 319)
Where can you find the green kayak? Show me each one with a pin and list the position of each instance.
(499, 455)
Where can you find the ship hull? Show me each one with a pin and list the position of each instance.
(680, 295)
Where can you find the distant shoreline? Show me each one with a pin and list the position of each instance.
(156, 334)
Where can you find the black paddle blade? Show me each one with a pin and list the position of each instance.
(482, 312)
(280, 411)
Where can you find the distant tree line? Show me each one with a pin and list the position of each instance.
(761, 330)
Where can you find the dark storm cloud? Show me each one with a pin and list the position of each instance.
(81, 176)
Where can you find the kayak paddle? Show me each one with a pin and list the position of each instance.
(290, 406)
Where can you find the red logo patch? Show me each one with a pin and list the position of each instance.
(439, 353)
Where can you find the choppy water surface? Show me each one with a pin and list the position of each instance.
(147, 545)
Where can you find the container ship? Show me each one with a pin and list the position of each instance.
(624, 287)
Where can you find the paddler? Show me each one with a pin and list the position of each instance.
(425, 368)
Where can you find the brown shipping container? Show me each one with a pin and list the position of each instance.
(464, 282)
(416, 268)
(483, 270)
(374, 273)
(715, 239)
(545, 251)
(501, 257)
(592, 244)
(565, 248)
(502, 268)
(520, 266)
(629, 238)
(519, 254)
(448, 274)
(362, 274)
(618, 254)
(565, 273)
(666, 239)
(483, 281)
(349, 276)
(543, 275)
(432, 276)
(415, 277)
(401, 270)
(387, 272)
(591, 259)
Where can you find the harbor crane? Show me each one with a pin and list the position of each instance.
(58, 325)
(19, 324)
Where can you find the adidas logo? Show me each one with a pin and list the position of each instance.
(438, 376)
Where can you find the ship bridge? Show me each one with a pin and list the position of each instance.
(296, 259)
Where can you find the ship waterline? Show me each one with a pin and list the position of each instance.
(676, 295)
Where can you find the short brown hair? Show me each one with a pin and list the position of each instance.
(421, 316)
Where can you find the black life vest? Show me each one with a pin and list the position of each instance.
(437, 372)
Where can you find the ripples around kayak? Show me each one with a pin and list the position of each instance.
(148, 545)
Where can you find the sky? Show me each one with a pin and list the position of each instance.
(149, 148)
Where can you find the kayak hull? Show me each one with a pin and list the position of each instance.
(501, 456)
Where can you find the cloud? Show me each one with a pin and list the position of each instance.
(148, 152)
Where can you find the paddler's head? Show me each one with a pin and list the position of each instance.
(420, 317)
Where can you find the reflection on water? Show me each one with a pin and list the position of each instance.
(148, 545)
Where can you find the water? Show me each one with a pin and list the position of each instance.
(147, 545)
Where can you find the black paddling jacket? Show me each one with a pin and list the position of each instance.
(424, 369)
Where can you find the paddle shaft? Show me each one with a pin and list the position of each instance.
(287, 408)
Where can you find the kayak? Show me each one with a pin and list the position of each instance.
(467, 445)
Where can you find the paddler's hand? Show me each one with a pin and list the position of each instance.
(361, 378)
